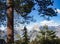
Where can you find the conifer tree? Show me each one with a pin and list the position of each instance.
(23, 7)
(25, 36)
(47, 36)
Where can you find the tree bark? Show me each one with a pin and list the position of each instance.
(10, 29)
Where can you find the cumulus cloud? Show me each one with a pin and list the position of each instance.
(49, 23)
(58, 10)
(33, 25)
(36, 25)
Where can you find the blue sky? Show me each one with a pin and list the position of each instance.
(56, 5)
(56, 19)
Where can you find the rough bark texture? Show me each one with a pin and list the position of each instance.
(10, 29)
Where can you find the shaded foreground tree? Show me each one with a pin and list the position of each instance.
(10, 29)
(22, 9)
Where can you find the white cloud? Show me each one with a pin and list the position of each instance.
(2, 27)
(58, 10)
(49, 23)
(36, 25)
(19, 28)
(32, 25)
(29, 27)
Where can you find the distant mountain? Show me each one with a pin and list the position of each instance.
(33, 29)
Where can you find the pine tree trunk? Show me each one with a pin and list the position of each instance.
(10, 29)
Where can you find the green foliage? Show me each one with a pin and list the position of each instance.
(45, 9)
(23, 7)
(2, 11)
(19, 39)
(25, 36)
(47, 36)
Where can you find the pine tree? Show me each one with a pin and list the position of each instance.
(20, 6)
(44, 9)
(25, 36)
(47, 36)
